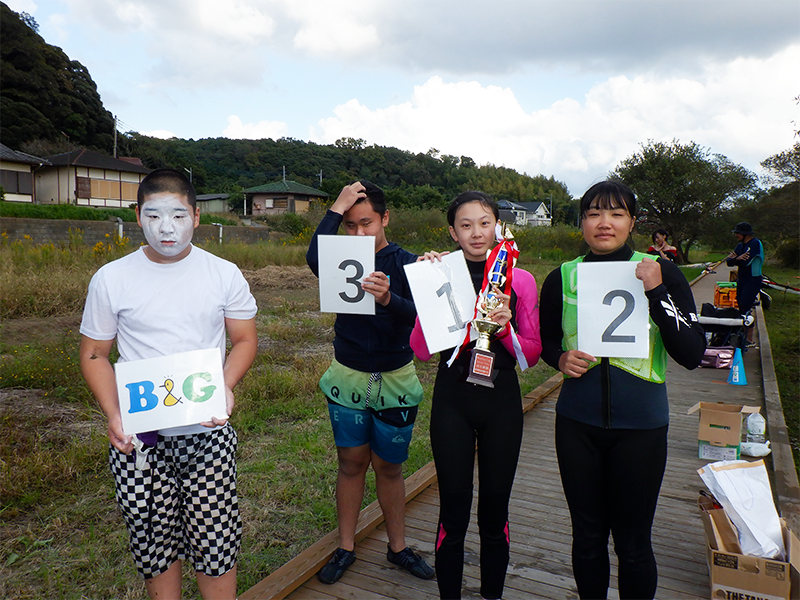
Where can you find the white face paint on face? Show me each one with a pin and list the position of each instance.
(168, 223)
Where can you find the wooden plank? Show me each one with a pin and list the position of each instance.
(303, 566)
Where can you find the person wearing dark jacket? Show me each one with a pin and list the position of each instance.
(371, 386)
(748, 256)
(612, 414)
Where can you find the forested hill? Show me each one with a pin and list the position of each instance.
(50, 105)
(43, 94)
(426, 180)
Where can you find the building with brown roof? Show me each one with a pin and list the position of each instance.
(88, 178)
(280, 197)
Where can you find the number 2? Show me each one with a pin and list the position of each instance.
(353, 280)
(448, 289)
(608, 334)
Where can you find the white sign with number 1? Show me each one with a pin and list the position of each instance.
(444, 297)
(344, 261)
(613, 312)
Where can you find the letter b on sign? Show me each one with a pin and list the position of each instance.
(141, 396)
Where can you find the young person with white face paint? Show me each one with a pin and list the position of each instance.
(165, 298)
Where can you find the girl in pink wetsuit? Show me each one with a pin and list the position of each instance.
(463, 414)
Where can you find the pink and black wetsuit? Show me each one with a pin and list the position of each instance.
(464, 414)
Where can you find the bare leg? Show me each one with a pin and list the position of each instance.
(166, 586)
(391, 490)
(353, 465)
(218, 588)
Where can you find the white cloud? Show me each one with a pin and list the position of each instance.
(254, 131)
(334, 28)
(159, 133)
(742, 109)
(21, 6)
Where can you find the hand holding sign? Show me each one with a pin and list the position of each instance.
(170, 391)
(612, 310)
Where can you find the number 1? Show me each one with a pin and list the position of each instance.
(448, 289)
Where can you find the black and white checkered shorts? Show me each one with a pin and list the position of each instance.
(183, 504)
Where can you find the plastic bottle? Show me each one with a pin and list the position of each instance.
(756, 428)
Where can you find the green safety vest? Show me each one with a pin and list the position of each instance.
(653, 368)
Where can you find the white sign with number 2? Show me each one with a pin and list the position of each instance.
(344, 261)
(445, 299)
(613, 311)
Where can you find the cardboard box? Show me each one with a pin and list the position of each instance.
(720, 430)
(734, 576)
(725, 294)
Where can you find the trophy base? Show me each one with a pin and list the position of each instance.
(481, 367)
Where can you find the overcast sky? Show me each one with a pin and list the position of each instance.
(567, 88)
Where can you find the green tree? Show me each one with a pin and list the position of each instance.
(45, 95)
(784, 167)
(683, 188)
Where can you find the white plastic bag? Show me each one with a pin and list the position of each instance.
(743, 490)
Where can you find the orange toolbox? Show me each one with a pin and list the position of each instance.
(725, 294)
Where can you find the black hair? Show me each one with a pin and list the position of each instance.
(662, 231)
(166, 180)
(609, 195)
(375, 197)
(471, 196)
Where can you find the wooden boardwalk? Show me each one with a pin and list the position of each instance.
(539, 519)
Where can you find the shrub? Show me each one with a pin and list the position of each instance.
(787, 253)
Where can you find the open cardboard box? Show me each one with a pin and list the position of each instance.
(720, 430)
(734, 576)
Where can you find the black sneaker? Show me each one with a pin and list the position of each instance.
(411, 562)
(337, 565)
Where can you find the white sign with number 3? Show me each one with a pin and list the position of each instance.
(344, 261)
(445, 299)
(613, 311)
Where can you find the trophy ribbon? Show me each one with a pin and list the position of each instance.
(497, 277)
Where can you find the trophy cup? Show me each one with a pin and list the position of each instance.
(497, 278)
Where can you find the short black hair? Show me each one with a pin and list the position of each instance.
(471, 196)
(375, 196)
(660, 230)
(609, 195)
(166, 180)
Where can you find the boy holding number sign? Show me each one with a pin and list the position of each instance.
(166, 298)
(612, 414)
(371, 387)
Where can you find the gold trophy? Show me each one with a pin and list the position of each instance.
(482, 363)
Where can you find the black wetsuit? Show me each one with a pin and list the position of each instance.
(611, 438)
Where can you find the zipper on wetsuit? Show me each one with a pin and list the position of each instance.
(605, 383)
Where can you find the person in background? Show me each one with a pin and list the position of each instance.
(371, 386)
(748, 256)
(464, 414)
(612, 413)
(660, 246)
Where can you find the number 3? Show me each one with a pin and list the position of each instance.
(353, 280)
(608, 334)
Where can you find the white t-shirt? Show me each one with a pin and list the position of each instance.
(155, 309)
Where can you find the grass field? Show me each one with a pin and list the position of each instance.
(60, 533)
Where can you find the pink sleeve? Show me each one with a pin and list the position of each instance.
(527, 317)
(418, 343)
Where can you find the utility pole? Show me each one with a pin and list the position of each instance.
(284, 172)
(320, 178)
(189, 171)
(115, 136)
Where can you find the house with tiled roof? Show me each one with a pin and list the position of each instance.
(280, 197)
(89, 178)
(524, 213)
(16, 174)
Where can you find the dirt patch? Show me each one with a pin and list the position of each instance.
(15, 332)
(52, 418)
(282, 278)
